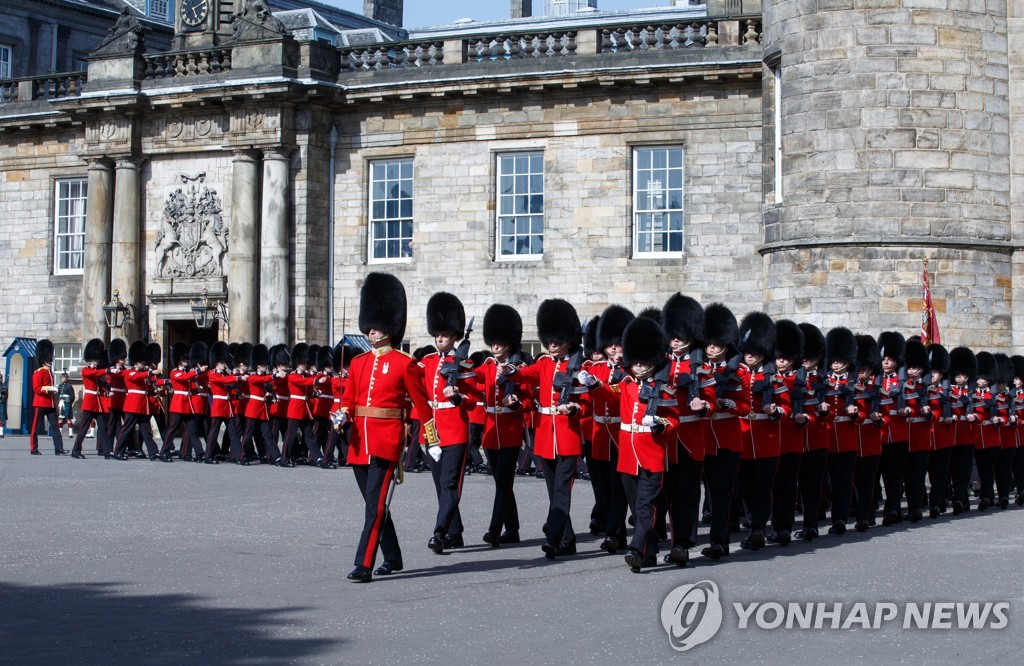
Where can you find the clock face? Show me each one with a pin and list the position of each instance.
(194, 12)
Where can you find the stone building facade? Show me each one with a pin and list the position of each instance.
(804, 162)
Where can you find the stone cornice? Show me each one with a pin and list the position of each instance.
(950, 243)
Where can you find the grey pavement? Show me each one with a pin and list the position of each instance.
(141, 562)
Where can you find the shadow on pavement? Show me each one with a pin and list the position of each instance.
(97, 624)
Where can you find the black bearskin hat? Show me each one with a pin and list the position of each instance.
(590, 338)
(916, 355)
(94, 351)
(382, 306)
(938, 359)
(1004, 368)
(179, 352)
(422, 352)
(892, 344)
(445, 314)
(260, 356)
(1018, 365)
(300, 354)
(962, 361)
(198, 354)
(314, 349)
(557, 322)
(243, 354)
(814, 342)
(684, 319)
(117, 351)
(279, 356)
(789, 341)
(503, 325)
(987, 367)
(654, 314)
(757, 335)
(44, 352)
(232, 354)
(137, 352)
(324, 358)
(841, 345)
(867, 354)
(477, 358)
(644, 341)
(611, 326)
(342, 357)
(720, 326)
(154, 353)
(219, 353)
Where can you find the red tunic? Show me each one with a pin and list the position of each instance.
(726, 431)
(201, 393)
(300, 393)
(381, 384)
(557, 434)
(965, 433)
(450, 420)
(792, 435)
(221, 387)
(91, 379)
(919, 424)
(639, 448)
(762, 438)
(1007, 431)
(115, 377)
(819, 428)
(279, 410)
(503, 426)
(323, 396)
(258, 407)
(181, 385)
(43, 377)
(869, 434)
(896, 425)
(942, 426)
(1017, 409)
(843, 435)
(692, 431)
(989, 418)
(137, 399)
(604, 428)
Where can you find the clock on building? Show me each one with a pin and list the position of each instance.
(194, 12)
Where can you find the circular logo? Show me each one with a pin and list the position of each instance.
(203, 125)
(691, 615)
(107, 129)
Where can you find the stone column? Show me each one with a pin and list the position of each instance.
(99, 217)
(243, 253)
(126, 266)
(274, 265)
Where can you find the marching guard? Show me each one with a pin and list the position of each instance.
(44, 400)
(93, 383)
(963, 368)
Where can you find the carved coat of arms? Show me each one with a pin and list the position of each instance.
(193, 237)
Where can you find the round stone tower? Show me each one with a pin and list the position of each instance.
(895, 148)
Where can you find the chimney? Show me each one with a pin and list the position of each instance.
(522, 8)
(388, 11)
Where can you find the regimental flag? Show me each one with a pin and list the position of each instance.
(929, 323)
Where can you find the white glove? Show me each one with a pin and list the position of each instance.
(649, 421)
(586, 379)
(435, 452)
(339, 419)
(50, 389)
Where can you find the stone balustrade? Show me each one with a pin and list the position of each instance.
(171, 65)
(512, 47)
(42, 88)
(391, 56)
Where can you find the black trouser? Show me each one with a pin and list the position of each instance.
(232, 430)
(374, 480)
(612, 499)
(721, 470)
(48, 414)
(525, 462)
(161, 423)
(840, 476)
(337, 442)
(1018, 470)
(308, 434)
(864, 482)
(938, 476)
(448, 473)
(144, 422)
(241, 425)
(1004, 472)
(476, 438)
(85, 419)
(600, 482)
(262, 434)
(414, 455)
(812, 475)
(960, 463)
(114, 418)
(682, 490)
(894, 464)
(175, 427)
(784, 493)
(917, 469)
(757, 477)
(192, 440)
(321, 433)
(559, 475)
(503, 470)
(641, 493)
(986, 460)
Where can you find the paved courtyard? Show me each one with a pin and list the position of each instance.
(147, 563)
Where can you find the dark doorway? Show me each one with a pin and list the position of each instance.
(185, 330)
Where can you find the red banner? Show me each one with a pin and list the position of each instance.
(929, 323)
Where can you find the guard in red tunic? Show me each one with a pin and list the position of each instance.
(44, 400)
(818, 430)
(789, 352)
(138, 411)
(592, 354)
(93, 384)
(337, 438)
(322, 402)
(1017, 412)
(844, 415)
(503, 402)
(382, 385)
(895, 441)
(240, 358)
(562, 404)
(449, 383)
(683, 321)
(963, 368)
(280, 362)
(1008, 431)
(918, 414)
(769, 403)
(990, 419)
(301, 381)
(648, 405)
(942, 429)
(117, 353)
(262, 396)
(179, 407)
(604, 433)
(725, 434)
(869, 432)
(222, 383)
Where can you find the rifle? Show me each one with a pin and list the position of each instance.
(901, 396)
(724, 380)
(451, 370)
(691, 382)
(876, 399)
(506, 385)
(944, 399)
(651, 393)
(563, 381)
(765, 386)
(799, 389)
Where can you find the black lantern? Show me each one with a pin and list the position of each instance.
(118, 315)
(206, 312)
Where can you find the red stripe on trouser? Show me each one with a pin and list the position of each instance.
(654, 517)
(462, 475)
(33, 440)
(382, 498)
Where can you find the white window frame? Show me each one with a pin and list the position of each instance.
(66, 357)
(371, 238)
(503, 159)
(75, 214)
(777, 103)
(646, 196)
(6, 61)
